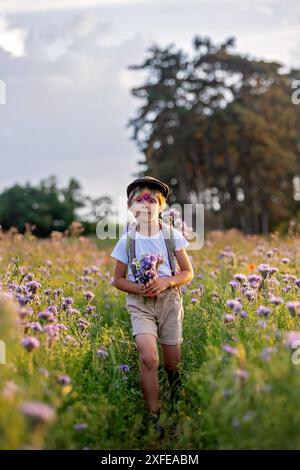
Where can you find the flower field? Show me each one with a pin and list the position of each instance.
(70, 372)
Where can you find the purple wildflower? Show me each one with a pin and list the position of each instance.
(80, 426)
(228, 318)
(63, 379)
(89, 295)
(82, 323)
(33, 286)
(234, 284)
(262, 310)
(46, 316)
(294, 307)
(124, 367)
(266, 352)
(35, 326)
(102, 352)
(250, 294)
(235, 305)
(38, 412)
(51, 331)
(292, 339)
(244, 314)
(229, 349)
(30, 343)
(241, 278)
(67, 302)
(241, 373)
(276, 300)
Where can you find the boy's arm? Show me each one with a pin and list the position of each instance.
(186, 269)
(120, 281)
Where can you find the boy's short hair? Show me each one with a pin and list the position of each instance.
(155, 192)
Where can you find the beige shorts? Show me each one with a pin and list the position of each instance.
(160, 316)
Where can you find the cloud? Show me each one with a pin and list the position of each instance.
(67, 105)
(11, 39)
(22, 6)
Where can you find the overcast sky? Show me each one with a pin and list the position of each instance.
(64, 63)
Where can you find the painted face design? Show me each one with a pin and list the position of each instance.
(145, 196)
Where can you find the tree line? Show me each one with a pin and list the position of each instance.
(222, 130)
(47, 207)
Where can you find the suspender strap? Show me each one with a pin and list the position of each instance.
(131, 252)
(167, 233)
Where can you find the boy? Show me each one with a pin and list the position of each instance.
(160, 317)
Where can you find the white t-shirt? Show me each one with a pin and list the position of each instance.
(151, 244)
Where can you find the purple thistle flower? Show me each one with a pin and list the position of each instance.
(58, 292)
(262, 310)
(70, 339)
(229, 349)
(250, 294)
(235, 305)
(244, 314)
(80, 426)
(292, 339)
(23, 299)
(241, 373)
(82, 323)
(254, 280)
(294, 307)
(90, 309)
(266, 270)
(46, 316)
(102, 352)
(67, 302)
(35, 326)
(63, 379)
(228, 318)
(240, 277)
(33, 286)
(89, 295)
(234, 284)
(266, 352)
(30, 343)
(38, 412)
(276, 300)
(51, 331)
(286, 288)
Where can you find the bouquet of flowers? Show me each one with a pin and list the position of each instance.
(146, 267)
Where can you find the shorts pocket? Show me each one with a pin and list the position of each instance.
(131, 300)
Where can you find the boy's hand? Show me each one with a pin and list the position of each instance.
(156, 286)
(141, 288)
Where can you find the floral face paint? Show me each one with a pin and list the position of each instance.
(145, 196)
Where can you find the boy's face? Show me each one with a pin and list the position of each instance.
(145, 205)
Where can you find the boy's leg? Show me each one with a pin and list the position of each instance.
(171, 359)
(149, 360)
